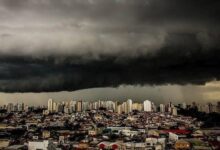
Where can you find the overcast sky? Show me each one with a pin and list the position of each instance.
(109, 49)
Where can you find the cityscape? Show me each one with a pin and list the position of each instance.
(108, 125)
(109, 75)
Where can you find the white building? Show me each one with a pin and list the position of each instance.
(147, 106)
(128, 132)
(173, 136)
(129, 105)
(42, 145)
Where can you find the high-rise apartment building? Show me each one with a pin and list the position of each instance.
(50, 105)
(147, 106)
(129, 105)
(162, 108)
(10, 107)
(79, 106)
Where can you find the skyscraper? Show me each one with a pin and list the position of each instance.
(79, 106)
(119, 107)
(124, 107)
(137, 106)
(50, 105)
(19, 107)
(10, 107)
(129, 105)
(72, 106)
(147, 106)
(54, 108)
(162, 108)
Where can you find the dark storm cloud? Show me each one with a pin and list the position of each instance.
(53, 45)
(181, 61)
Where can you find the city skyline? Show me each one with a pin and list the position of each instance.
(126, 106)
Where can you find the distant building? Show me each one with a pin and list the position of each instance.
(20, 107)
(174, 111)
(72, 106)
(59, 107)
(66, 110)
(137, 106)
(209, 108)
(124, 107)
(183, 106)
(41, 145)
(50, 105)
(10, 107)
(119, 109)
(129, 105)
(162, 108)
(85, 105)
(54, 107)
(170, 106)
(147, 106)
(79, 106)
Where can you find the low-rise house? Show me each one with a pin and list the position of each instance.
(182, 145)
(17, 147)
(42, 145)
(128, 132)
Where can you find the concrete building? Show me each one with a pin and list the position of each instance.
(42, 145)
(72, 106)
(183, 105)
(137, 106)
(79, 106)
(124, 107)
(129, 105)
(54, 108)
(182, 144)
(119, 109)
(209, 108)
(162, 108)
(10, 107)
(174, 111)
(147, 106)
(50, 105)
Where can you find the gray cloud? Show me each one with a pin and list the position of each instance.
(100, 27)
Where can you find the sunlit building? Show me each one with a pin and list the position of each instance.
(50, 105)
(79, 106)
(147, 106)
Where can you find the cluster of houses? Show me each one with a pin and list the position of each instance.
(103, 129)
